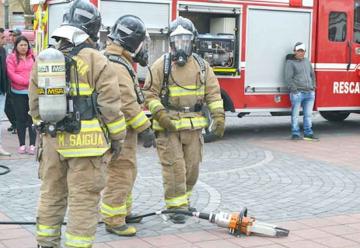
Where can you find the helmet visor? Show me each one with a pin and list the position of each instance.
(182, 42)
(144, 45)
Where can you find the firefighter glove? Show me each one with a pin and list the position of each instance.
(115, 148)
(218, 126)
(164, 120)
(149, 138)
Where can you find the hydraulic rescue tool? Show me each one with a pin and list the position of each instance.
(238, 222)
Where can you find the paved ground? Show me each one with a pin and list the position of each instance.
(312, 188)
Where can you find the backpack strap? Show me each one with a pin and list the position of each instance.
(120, 60)
(164, 93)
(201, 63)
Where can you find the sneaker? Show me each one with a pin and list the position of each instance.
(311, 137)
(123, 230)
(11, 128)
(132, 218)
(295, 137)
(31, 150)
(3, 152)
(21, 150)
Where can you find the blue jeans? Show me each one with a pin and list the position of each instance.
(306, 101)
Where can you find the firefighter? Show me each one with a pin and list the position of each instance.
(73, 157)
(126, 45)
(181, 83)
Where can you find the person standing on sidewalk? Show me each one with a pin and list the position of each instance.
(4, 85)
(73, 163)
(300, 77)
(9, 109)
(179, 85)
(126, 45)
(19, 64)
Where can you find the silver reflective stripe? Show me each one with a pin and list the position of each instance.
(124, 29)
(84, 13)
(78, 241)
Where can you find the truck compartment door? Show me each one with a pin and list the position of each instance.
(270, 36)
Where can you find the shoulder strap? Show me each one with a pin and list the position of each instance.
(201, 63)
(167, 68)
(122, 61)
(75, 50)
(69, 61)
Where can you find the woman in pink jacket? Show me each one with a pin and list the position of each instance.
(19, 64)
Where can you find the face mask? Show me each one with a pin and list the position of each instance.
(180, 57)
(141, 54)
(181, 47)
(142, 57)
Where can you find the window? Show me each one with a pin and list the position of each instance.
(357, 21)
(337, 26)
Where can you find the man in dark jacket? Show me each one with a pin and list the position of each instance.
(9, 110)
(300, 77)
(3, 84)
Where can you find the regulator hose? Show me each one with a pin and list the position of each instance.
(168, 211)
(6, 170)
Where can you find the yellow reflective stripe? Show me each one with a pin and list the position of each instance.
(84, 89)
(78, 241)
(154, 105)
(184, 123)
(216, 105)
(117, 126)
(48, 231)
(90, 125)
(188, 90)
(36, 121)
(82, 152)
(112, 211)
(177, 201)
(139, 120)
(129, 200)
(188, 194)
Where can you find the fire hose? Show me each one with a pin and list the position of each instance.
(5, 170)
(237, 223)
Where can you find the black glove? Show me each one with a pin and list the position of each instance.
(149, 138)
(115, 148)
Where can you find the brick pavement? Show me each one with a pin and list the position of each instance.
(312, 188)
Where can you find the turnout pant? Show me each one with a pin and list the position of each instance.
(68, 182)
(121, 174)
(180, 154)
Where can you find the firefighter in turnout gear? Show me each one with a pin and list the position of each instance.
(73, 157)
(126, 45)
(180, 84)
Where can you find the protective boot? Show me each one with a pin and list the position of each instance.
(192, 209)
(123, 230)
(132, 218)
(178, 218)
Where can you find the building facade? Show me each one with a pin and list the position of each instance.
(15, 14)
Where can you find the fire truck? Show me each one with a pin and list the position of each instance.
(246, 43)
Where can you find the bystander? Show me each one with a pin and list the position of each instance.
(4, 84)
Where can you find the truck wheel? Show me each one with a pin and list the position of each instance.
(335, 116)
(208, 136)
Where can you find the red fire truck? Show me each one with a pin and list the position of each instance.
(246, 42)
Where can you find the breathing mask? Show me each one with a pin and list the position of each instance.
(141, 54)
(181, 42)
